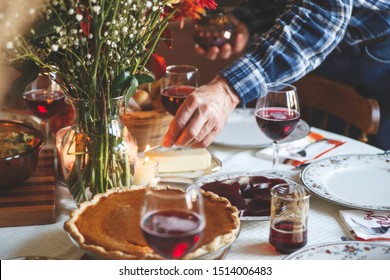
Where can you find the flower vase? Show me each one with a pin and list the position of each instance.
(97, 152)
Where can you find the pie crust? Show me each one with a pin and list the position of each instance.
(108, 225)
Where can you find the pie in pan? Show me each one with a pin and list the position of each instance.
(108, 225)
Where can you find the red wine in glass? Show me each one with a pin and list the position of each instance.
(285, 238)
(44, 104)
(172, 233)
(178, 82)
(172, 97)
(277, 123)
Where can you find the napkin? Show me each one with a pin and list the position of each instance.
(361, 224)
(314, 144)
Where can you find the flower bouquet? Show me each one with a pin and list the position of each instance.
(100, 51)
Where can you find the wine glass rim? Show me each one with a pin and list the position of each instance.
(58, 94)
(305, 193)
(281, 87)
(181, 69)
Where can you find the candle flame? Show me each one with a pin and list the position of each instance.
(147, 148)
(146, 159)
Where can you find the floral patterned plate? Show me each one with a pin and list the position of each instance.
(358, 181)
(343, 250)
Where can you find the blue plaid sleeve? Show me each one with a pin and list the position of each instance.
(299, 40)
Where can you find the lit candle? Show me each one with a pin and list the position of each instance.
(145, 171)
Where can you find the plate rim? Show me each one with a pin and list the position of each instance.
(342, 202)
(258, 146)
(242, 173)
(330, 243)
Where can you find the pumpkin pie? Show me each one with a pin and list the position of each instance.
(108, 225)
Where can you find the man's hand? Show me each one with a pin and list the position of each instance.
(227, 50)
(202, 115)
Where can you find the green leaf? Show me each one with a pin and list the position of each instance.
(130, 92)
(121, 83)
(144, 78)
(29, 72)
(44, 28)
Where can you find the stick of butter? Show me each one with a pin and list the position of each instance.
(180, 160)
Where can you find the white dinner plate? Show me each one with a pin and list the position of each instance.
(358, 181)
(343, 250)
(241, 131)
(233, 175)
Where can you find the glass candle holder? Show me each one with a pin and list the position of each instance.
(214, 29)
(145, 171)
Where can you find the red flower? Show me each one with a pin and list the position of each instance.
(207, 4)
(85, 24)
(192, 8)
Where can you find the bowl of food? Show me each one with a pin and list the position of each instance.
(20, 145)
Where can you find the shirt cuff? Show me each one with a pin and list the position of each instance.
(246, 78)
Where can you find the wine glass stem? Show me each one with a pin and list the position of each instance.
(46, 131)
(275, 158)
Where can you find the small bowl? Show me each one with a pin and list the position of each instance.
(16, 169)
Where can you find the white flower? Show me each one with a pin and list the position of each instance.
(79, 17)
(96, 9)
(71, 11)
(54, 47)
(10, 45)
(125, 29)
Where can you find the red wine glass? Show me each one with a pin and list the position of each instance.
(172, 220)
(178, 82)
(277, 114)
(44, 98)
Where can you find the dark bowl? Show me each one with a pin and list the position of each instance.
(16, 169)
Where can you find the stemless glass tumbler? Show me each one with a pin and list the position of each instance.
(289, 217)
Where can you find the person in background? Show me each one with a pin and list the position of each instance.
(283, 40)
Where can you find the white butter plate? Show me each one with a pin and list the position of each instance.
(358, 181)
(241, 131)
(234, 175)
(343, 250)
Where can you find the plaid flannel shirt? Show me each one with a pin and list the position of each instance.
(292, 37)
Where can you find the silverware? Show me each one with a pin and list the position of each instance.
(346, 238)
(303, 152)
(372, 230)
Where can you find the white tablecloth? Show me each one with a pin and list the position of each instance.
(324, 221)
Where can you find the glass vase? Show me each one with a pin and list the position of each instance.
(214, 29)
(97, 152)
